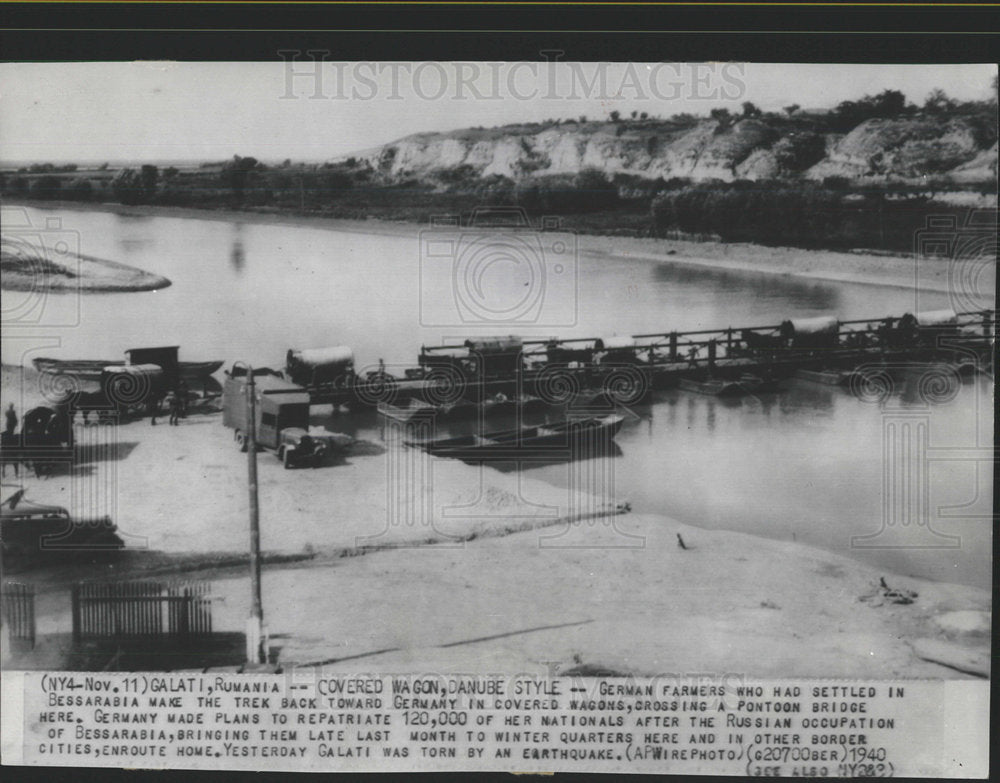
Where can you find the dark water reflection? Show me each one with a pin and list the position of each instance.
(761, 287)
(808, 463)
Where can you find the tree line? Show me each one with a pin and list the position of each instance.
(800, 214)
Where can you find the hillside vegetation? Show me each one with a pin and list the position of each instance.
(864, 174)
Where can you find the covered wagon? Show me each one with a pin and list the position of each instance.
(811, 334)
(320, 366)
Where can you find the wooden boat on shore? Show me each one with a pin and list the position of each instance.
(568, 439)
(90, 369)
(461, 409)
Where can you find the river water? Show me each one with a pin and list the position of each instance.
(808, 463)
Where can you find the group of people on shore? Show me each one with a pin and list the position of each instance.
(177, 402)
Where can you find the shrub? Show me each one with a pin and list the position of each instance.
(799, 214)
(127, 186)
(80, 190)
(799, 151)
(46, 188)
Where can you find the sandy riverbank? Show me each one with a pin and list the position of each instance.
(468, 569)
(29, 263)
(729, 603)
(906, 271)
(84, 274)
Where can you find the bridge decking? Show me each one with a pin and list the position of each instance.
(634, 365)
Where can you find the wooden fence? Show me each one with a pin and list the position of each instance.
(19, 610)
(118, 609)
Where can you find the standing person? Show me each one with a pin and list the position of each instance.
(176, 408)
(182, 397)
(10, 441)
(10, 420)
(693, 356)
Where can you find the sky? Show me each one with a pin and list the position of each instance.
(311, 109)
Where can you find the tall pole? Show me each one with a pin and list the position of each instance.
(256, 652)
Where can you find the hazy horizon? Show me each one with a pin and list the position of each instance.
(190, 113)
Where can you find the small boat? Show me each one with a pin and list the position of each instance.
(566, 440)
(90, 369)
(198, 370)
(719, 387)
(715, 387)
(461, 409)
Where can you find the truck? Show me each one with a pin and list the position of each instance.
(281, 420)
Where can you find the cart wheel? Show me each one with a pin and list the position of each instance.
(241, 440)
